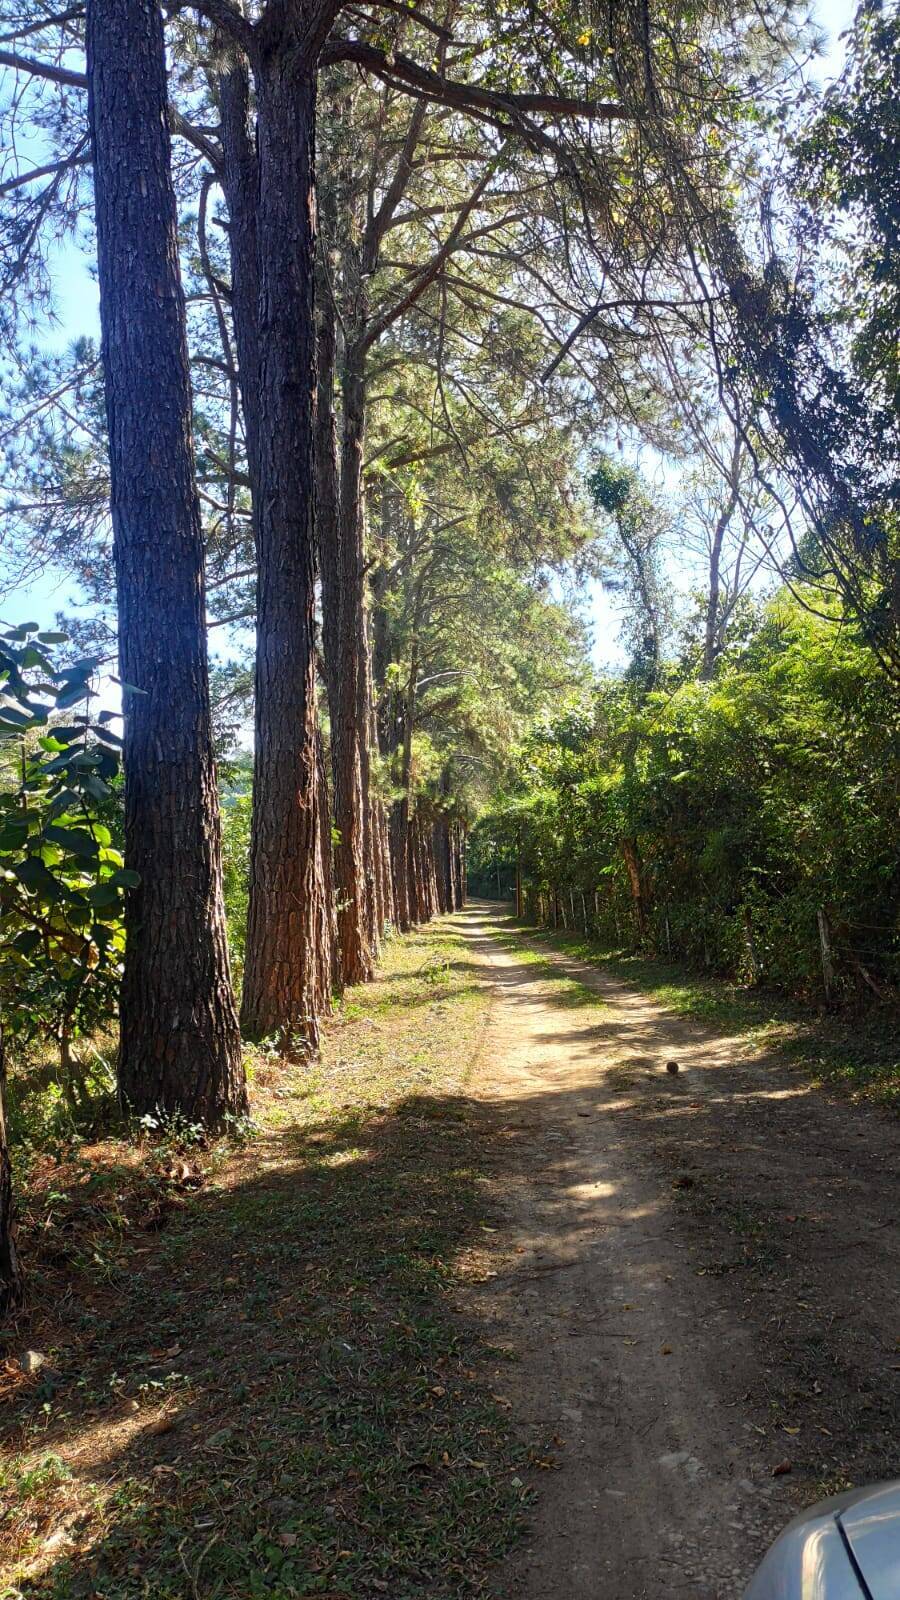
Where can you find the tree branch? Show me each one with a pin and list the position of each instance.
(413, 12)
(399, 69)
(64, 76)
(230, 20)
(432, 268)
(56, 21)
(53, 169)
(43, 69)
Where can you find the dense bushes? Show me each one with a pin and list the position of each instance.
(730, 822)
(62, 875)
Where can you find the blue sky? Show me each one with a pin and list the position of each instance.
(76, 305)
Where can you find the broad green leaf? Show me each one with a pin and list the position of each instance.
(126, 878)
(13, 835)
(103, 894)
(78, 840)
(34, 875)
(95, 787)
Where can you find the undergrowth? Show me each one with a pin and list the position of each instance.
(856, 1052)
(255, 1376)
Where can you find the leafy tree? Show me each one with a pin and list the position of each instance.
(849, 169)
(62, 881)
(754, 800)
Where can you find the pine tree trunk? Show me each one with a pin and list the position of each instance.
(240, 184)
(399, 829)
(445, 867)
(632, 858)
(180, 1047)
(12, 1282)
(425, 859)
(374, 925)
(422, 865)
(285, 975)
(387, 876)
(327, 534)
(342, 563)
(331, 977)
(455, 900)
(378, 741)
(417, 893)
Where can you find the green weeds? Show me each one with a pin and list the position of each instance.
(260, 1373)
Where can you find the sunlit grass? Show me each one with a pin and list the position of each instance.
(856, 1053)
(268, 1393)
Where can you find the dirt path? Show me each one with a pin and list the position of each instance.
(701, 1286)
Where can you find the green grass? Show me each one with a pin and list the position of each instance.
(856, 1053)
(270, 1394)
(562, 989)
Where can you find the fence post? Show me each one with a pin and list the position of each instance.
(584, 912)
(825, 952)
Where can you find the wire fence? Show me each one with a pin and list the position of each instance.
(803, 948)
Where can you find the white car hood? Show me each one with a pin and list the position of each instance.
(871, 1526)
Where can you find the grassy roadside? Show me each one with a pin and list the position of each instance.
(256, 1380)
(856, 1054)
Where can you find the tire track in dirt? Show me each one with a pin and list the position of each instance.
(674, 1395)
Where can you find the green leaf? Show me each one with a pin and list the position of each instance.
(70, 696)
(60, 763)
(13, 835)
(107, 764)
(94, 786)
(81, 670)
(18, 719)
(53, 638)
(103, 894)
(126, 878)
(78, 840)
(32, 657)
(66, 800)
(32, 874)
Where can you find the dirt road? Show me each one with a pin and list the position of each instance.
(700, 1290)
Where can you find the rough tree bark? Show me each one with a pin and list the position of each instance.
(331, 952)
(240, 185)
(402, 852)
(380, 739)
(180, 1047)
(341, 562)
(287, 971)
(632, 858)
